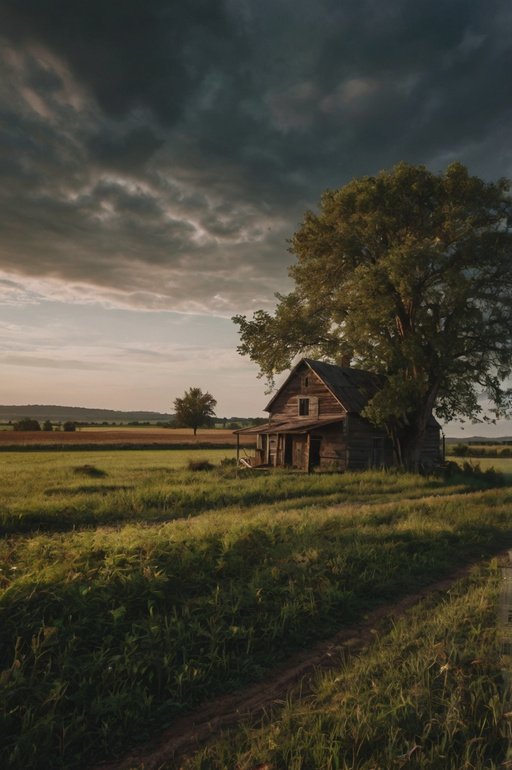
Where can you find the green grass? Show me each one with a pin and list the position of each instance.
(427, 695)
(44, 491)
(206, 580)
(503, 465)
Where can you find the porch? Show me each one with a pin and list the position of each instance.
(297, 444)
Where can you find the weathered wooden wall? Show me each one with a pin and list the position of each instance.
(333, 449)
(431, 452)
(367, 446)
(353, 444)
(286, 405)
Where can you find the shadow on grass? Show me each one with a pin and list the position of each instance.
(134, 640)
(145, 506)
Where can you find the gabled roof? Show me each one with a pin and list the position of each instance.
(353, 388)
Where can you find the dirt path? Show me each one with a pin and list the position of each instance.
(190, 732)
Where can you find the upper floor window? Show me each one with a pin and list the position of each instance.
(303, 407)
(305, 382)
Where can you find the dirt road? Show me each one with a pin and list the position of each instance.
(190, 732)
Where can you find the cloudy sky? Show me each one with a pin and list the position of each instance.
(156, 156)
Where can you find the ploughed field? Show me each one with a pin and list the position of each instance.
(123, 436)
(133, 588)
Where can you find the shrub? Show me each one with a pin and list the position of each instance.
(228, 462)
(490, 474)
(199, 465)
(89, 470)
(69, 426)
(26, 423)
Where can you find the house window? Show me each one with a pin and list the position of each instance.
(303, 407)
(305, 382)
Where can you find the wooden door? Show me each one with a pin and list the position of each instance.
(314, 451)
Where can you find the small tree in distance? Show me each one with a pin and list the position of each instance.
(27, 424)
(194, 409)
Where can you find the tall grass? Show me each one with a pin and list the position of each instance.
(107, 633)
(427, 695)
(45, 491)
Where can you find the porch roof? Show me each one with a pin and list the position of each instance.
(290, 426)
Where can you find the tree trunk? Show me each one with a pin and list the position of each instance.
(411, 451)
(411, 440)
(408, 439)
(195, 429)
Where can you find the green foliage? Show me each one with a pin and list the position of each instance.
(479, 450)
(228, 462)
(495, 477)
(199, 465)
(69, 426)
(107, 633)
(194, 409)
(47, 426)
(409, 273)
(26, 423)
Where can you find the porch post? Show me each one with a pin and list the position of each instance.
(308, 450)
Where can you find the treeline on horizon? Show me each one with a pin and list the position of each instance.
(501, 448)
(84, 416)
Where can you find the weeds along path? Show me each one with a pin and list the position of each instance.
(189, 733)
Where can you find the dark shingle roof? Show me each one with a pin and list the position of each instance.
(353, 388)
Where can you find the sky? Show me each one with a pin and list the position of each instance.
(156, 156)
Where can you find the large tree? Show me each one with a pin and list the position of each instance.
(409, 274)
(194, 409)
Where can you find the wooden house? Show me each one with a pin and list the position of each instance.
(315, 422)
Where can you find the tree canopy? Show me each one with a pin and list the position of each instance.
(27, 424)
(409, 274)
(194, 409)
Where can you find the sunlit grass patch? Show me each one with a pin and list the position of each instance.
(49, 495)
(128, 599)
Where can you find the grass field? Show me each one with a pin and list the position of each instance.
(132, 588)
(503, 465)
(428, 694)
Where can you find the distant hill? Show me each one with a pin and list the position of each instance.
(77, 414)
(478, 439)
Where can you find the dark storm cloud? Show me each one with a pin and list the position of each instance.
(124, 150)
(167, 150)
(130, 54)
